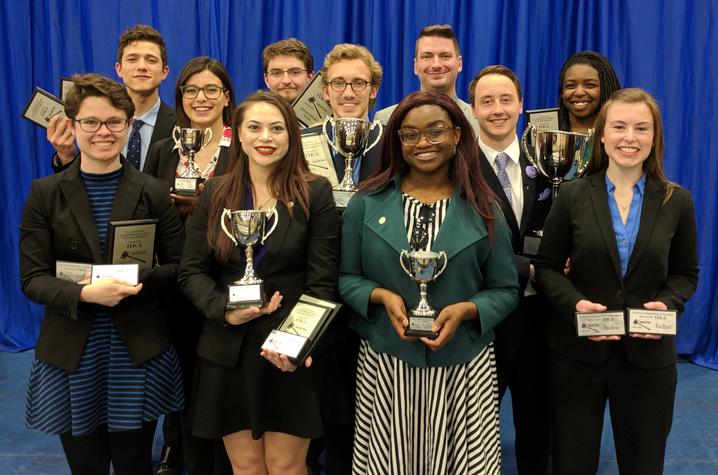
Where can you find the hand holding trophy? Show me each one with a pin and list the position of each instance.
(423, 268)
(191, 142)
(350, 139)
(248, 228)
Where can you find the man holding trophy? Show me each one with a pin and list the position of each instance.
(344, 148)
(525, 199)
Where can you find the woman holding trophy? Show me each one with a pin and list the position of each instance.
(105, 369)
(265, 408)
(631, 237)
(204, 101)
(426, 379)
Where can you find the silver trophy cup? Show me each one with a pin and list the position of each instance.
(248, 227)
(423, 268)
(191, 141)
(351, 137)
(559, 156)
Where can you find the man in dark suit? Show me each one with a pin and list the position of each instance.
(525, 200)
(351, 79)
(142, 66)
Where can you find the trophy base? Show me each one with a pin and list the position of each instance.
(245, 296)
(341, 197)
(187, 186)
(421, 327)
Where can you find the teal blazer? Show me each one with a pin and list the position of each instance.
(373, 235)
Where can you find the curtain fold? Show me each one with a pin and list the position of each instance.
(666, 47)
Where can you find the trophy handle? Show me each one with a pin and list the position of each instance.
(271, 213)
(328, 120)
(446, 261)
(588, 145)
(206, 142)
(175, 134)
(374, 125)
(403, 254)
(529, 131)
(225, 213)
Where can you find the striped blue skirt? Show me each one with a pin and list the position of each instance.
(106, 389)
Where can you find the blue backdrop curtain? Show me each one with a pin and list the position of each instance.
(665, 46)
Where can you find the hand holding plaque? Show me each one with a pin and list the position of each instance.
(248, 227)
(423, 268)
(191, 142)
(350, 139)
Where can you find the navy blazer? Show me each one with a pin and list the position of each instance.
(663, 265)
(57, 224)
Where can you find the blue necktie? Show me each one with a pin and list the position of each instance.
(501, 160)
(134, 147)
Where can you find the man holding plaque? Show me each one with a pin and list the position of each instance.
(351, 78)
(288, 67)
(437, 63)
(631, 237)
(142, 66)
(525, 198)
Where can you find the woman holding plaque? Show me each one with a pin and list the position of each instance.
(631, 237)
(427, 405)
(204, 99)
(265, 409)
(105, 369)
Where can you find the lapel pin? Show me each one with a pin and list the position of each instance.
(382, 220)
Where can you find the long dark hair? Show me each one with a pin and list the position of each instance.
(464, 169)
(289, 182)
(653, 165)
(197, 65)
(606, 76)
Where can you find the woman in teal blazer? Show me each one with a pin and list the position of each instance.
(421, 400)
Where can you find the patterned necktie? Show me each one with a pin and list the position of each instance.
(134, 147)
(501, 160)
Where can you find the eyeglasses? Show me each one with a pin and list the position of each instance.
(420, 235)
(211, 91)
(339, 85)
(434, 135)
(92, 124)
(292, 72)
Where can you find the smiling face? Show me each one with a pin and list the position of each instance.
(582, 91)
(263, 134)
(99, 150)
(294, 76)
(437, 64)
(202, 111)
(628, 135)
(141, 67)
(349, 103)
(497, 108)
(425, 157)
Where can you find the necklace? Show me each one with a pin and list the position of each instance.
(623, 207)
(261, 206)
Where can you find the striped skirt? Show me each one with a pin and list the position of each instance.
(426, 421)
(105, 390)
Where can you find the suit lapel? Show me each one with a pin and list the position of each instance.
(386, 219)
(73, 189)
(275, 241)
(494, 183)
(652, 198)
(599, 200)
(461, 228)
(128, 194)
(529, 189)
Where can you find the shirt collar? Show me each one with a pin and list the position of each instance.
(150, 117)
(513, 151)
(639, 186)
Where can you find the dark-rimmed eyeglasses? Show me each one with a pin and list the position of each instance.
(434, 135)
(93, 124)
(210, 91)
(420, 233)
(292, 72)
(339, 85)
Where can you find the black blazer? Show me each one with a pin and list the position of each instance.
(162, 161)
(57, 224)
(663, 265)
(166, 120)
(302, 256)
(533, 214)
(370, 161)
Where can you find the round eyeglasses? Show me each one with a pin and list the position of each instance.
(434, 135)
(93, 124)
